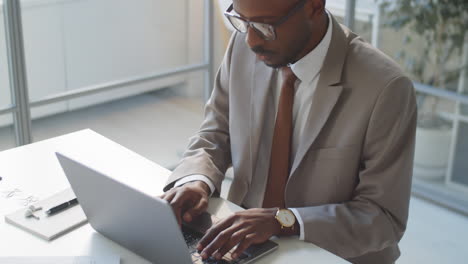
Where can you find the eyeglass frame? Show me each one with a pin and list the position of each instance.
(273, 25)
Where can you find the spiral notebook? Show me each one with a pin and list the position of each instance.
(50, 227)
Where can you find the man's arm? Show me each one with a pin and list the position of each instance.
(376, 216)
(196, 177)
(209, 152)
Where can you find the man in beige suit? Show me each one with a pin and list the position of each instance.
(349, 137)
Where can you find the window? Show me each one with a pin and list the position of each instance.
(427, 41)
(7, 136)
(109, 64)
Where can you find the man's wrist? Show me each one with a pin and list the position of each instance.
(194, 178)
(294, 229)
(291, 231)
(276, 225)
(204, 186)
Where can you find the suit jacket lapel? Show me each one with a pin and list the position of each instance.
(260, 89)
(326, 94)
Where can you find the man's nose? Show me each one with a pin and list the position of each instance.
(253, 39)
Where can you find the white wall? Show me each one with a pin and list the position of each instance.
(71, 44)
(195, 17)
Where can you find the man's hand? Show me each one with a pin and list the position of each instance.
(189, 200)
(243, 229)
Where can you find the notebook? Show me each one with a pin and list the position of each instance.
(111, 259)
(50, 227)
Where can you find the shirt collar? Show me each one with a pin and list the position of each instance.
(309, 66)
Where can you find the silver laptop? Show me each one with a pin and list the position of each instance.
(141, 223)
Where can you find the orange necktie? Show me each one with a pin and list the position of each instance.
(281, 145)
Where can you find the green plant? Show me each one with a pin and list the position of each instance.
(440, 27)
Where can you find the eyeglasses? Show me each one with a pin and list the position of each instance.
(265, 30)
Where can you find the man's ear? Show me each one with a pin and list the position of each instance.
(314, 9)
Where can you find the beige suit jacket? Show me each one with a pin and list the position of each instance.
(351, 178)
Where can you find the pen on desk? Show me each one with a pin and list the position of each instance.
(61, 207)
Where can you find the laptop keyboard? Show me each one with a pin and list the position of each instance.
(192, 238)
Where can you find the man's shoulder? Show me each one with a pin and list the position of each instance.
(240, 53)
(368, 66)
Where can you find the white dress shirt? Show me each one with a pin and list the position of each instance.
(307, 70)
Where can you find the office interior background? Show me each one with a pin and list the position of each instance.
(139, 72)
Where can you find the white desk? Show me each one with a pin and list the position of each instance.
(35, 170)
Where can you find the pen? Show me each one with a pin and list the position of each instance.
(61, 207)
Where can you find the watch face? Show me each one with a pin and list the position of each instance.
(286, 218)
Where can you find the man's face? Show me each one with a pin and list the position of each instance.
(291, 37)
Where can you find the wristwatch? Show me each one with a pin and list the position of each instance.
(285, 218)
